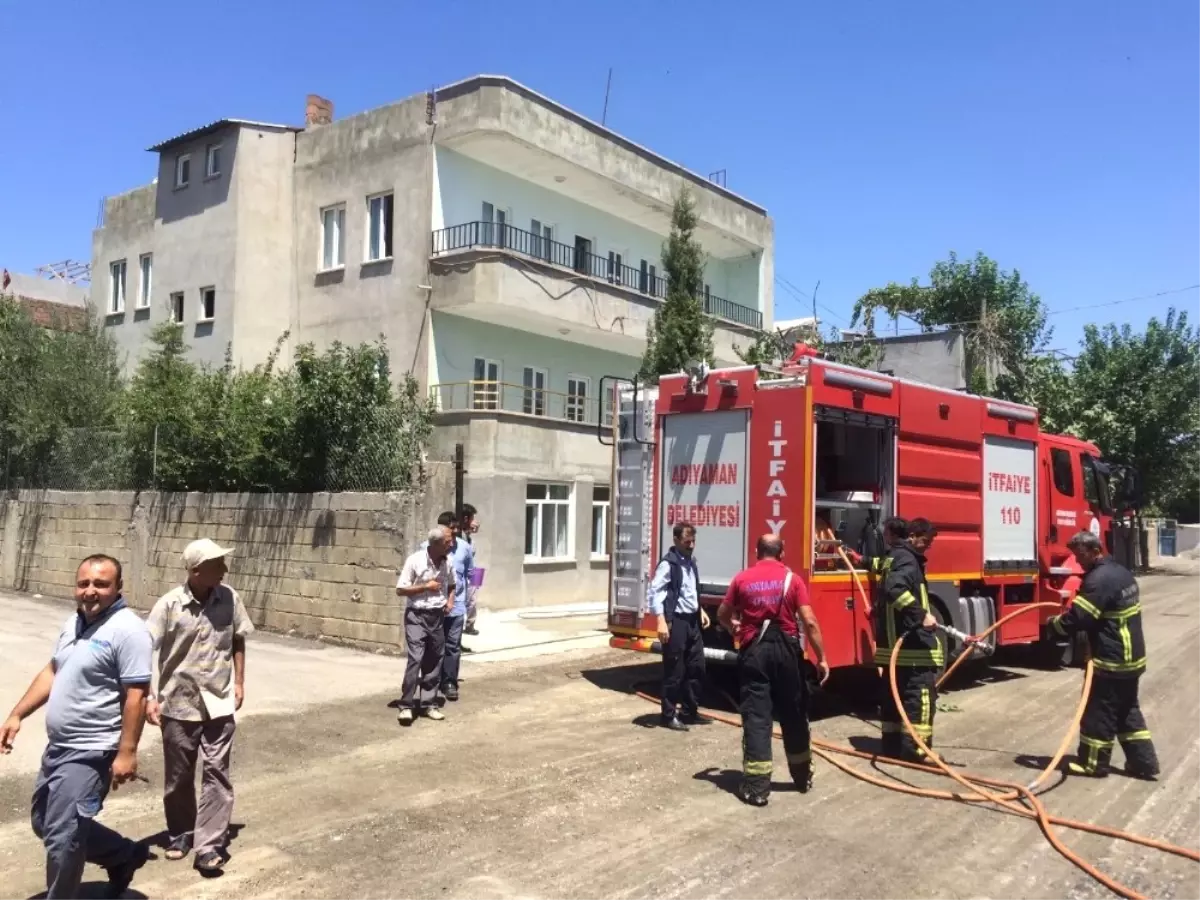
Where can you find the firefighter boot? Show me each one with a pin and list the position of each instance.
(751, 792)
(1092, 759)
(802, 775)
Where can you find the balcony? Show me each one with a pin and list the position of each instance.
(496, 396)
(578, 258)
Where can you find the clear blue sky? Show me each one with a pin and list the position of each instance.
(1060, 138)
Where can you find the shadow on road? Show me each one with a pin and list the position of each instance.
(728, 780)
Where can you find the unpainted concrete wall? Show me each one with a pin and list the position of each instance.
(311, 564)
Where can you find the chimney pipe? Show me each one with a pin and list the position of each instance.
(317, 111)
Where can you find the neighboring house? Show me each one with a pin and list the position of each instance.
(53, 304)
(507, 248)
(932, 357)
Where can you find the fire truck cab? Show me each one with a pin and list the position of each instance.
(821, 456)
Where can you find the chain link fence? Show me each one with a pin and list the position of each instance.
(386, 453)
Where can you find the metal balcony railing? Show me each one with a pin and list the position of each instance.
(611, 268)
(582, 406)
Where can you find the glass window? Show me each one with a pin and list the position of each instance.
(147, 267)
(116, 287)
(1064, 478)
(579, 388)
(212, 161)
(333, 237)
(534, 396)
(601, 504)
(379, 227)
(548, 521)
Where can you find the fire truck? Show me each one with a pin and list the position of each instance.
(821, 455)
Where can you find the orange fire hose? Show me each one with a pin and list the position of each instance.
(977, 785)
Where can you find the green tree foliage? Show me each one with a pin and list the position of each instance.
(1136, 395)
(681, 332)
(1004, 322)
(52, 381)
(334, 421)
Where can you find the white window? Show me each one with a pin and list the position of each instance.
(495, 226)
(116, 287)
(485, 384)
(579, 390)
(333, 237)
(177, 307)
(607, 402)
(212, 161)
(146, 265)
(601, 504)
(208, 304)
(542, 243)
(548, 521)
(379, 227)
(183, 170)
(533, 401)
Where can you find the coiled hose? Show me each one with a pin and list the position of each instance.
(977, 785)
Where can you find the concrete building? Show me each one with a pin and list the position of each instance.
(507, 248)
(51, 303)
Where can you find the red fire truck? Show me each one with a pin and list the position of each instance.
(829, 451)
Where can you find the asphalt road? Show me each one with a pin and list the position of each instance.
(546, 780)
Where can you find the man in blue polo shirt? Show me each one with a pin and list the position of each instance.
(94, 690)
(462, 560)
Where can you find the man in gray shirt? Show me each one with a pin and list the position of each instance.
(94, 689)
(427, 581)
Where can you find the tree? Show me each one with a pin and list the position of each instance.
(770, 350)
(681, 332)
(1137, 397)
(1004, 322)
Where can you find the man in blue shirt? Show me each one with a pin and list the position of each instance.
(462, 561)
(675, 600)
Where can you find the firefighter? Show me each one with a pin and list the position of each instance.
(903, 614)
(675, 600)
(761, 610)
(1108, 609)
(895, 532)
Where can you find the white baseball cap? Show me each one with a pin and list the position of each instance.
(202, 551)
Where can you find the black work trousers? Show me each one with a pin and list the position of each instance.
(918, 693)
(1113, 714)
(772, 680)
(683, 666)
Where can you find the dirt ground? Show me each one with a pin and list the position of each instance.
(547, 780)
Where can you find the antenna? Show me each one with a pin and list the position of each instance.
(607, 88)
(69, 270)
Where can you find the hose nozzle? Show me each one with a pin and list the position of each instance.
(953, 632)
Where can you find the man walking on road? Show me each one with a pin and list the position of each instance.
(764, 609)
(468, 525)
(675, 600)
(427, 580)
(461, 557)
(95, 687)
(199, 629)
(1108, 608)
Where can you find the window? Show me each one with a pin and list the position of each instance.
(146, 264)
(601, 504)
(583, 255)
(534, 400)
(208, 304)
(485, 384)
(333, 237)
(548, 521)
(183, 170)
(177, 307)
(543, 239)
(1064, 478)
(379, 227)
(212, 161)
(644, 278)
(655, 288)
(579, 388)
(116, 287)
(607, 400)
(495, 222)
(1095, 483)
(615, 268)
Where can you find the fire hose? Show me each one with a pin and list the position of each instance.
(976, 785)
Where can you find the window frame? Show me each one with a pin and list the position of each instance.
(339, 247)
(181, 299)
(145, 280)
(559, 504)
(117, 286)
(605, 534)
(212, 152)
(530, 392)
(182, 160)
(479, 398)
(201, 315)
(386, 228)
(578, 402)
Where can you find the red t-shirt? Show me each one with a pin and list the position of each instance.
(756, 594)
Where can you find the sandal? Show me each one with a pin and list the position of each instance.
(179, 848)
(210, 863)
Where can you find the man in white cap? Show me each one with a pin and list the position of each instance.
(199, 630)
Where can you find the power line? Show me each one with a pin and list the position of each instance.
(797, 293)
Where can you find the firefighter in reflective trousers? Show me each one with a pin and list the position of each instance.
(1109, 610)
(902, 614)
(761, 610)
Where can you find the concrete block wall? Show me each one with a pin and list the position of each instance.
(310, 564)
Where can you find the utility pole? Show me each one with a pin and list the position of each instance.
(986, 344)
(607, 88)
